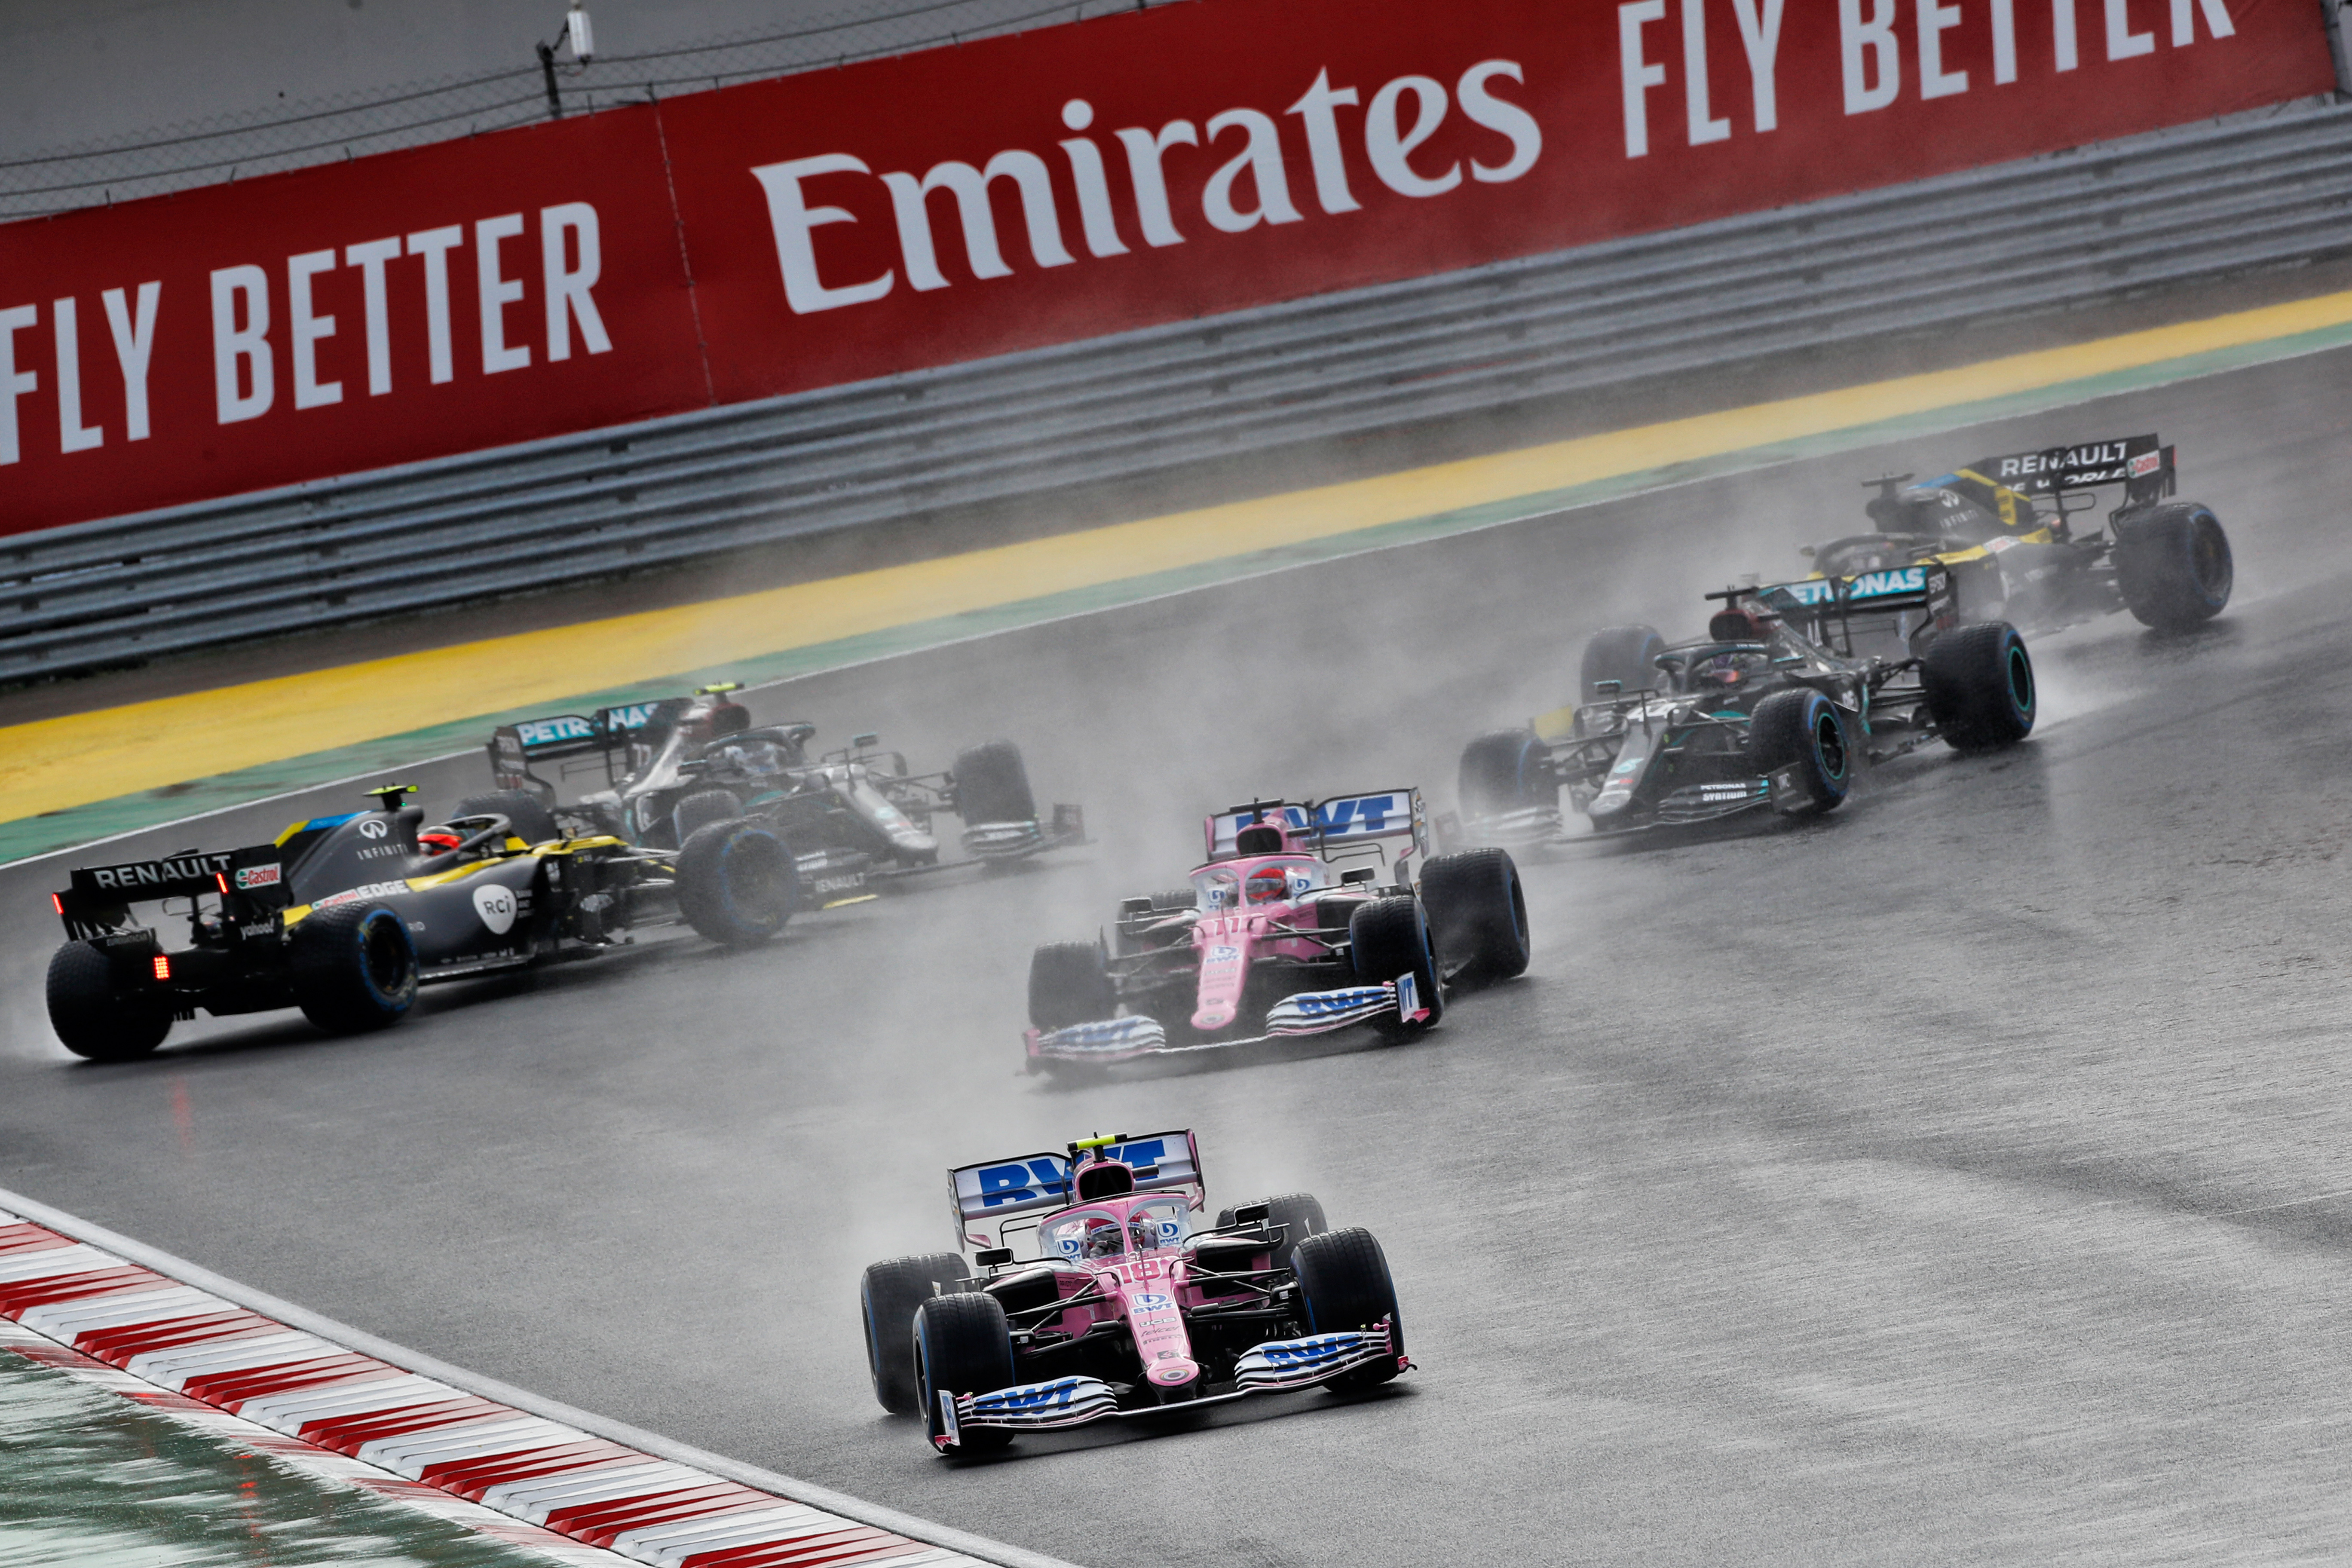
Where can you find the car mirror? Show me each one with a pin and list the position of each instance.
(1358, 876)
(1789, 661)
(1607, 688)
(1147, 1173)
(1250, 1213)
(992, 1257)
(1134, 906)
(861, 741)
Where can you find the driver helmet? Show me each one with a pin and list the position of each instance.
(1103, 1238)
(437, 841)
(1266, 885)
(1142, 1232)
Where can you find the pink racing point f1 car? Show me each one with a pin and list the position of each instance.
(1124, 1309)
(1279, 935)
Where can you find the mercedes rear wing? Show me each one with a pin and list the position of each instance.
(1822, 609)
(986, 1196)
(98, 899)
(513, 748)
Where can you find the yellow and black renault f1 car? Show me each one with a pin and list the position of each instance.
(344, 916)
(2002, 528)
(855, 818)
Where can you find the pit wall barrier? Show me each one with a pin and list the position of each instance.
(834, 227)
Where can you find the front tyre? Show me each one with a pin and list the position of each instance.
(1979, 687)
(887, 1299)
(1625, 655)
(528, 816)
(88, 1020)
(961, 1345)
(737, 883)
(1477, 914)
(1344, 1283)
(1503, 771)
(700, 809)
(1801, 727)
(1389, 941)
(1069, 982)
(353, 968)
(2173, 566)
(992, 784)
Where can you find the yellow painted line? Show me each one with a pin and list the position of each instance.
(53, 764)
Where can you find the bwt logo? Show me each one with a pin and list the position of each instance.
(1048, 1175)
(1252, 186)
(1367, 813)
(1039, 1396)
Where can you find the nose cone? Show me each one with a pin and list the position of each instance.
(1172, 1371)
(1213, 1017)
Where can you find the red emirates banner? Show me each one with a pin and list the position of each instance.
(1084, 179)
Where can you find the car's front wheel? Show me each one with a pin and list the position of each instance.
(1387, 940)
(1801, 727)
(1344, 1283)
(962, 1345)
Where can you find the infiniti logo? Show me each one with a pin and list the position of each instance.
(374, 827)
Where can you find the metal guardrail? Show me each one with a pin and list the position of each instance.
(2039, 235)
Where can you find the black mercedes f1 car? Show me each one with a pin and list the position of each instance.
(1777, 707)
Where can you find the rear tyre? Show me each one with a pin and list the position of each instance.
(1504, 771)
(1800, 727)
(89, 1022)
(887, 1299)
(1343, 1280)
(353, 968)
(992, 784)
(1621, 654)
(703, 807)
(737, 883)
(2174, 567)
(1299, 1214)
(962, 1345)
(1979, 687)
(526, 813)
(1069, 982)
(1389, 940)
(1477, 914)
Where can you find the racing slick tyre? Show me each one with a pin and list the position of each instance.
(1069, 982)
(525, 813)
(737, 883)
(1621, 654)
(962, 1345)
(703, 807)
(2173, 566)
(1503, 771)
(1343, 1280)
(886, 1299)
(992, 784)
(1299, 1214)
(1799, 727)
(1477, 914)
(1389, 940)
(353, 968)
(1979, 681)
(89, 1021)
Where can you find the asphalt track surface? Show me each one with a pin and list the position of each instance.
(1959, 1178)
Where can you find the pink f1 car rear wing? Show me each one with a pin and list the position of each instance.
(986, 1196)
(1380, 816)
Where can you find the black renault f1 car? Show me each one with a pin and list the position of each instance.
(2002, 528)
(344, 916)
(1777, 707)
(1124, 1308)
(853, 817)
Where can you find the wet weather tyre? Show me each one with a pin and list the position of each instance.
(992, 784)
(1504, 771)
(737, 883)
(962, 1345)
(2173, 566)
(353, 968)
(1174, 899)
(526, 813)
(87, 1019)
(1979, 687)
(1801, 727)
(1298, 1214)
(1389, 941)
(887, 1299)
(1477, 914)
(1069, 982)
(1343, 1283)
(1623, 654)
(703, 807)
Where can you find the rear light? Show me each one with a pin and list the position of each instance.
(221, 879)
(163, 966)
(57, 903)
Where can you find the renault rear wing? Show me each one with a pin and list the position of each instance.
(986, 1196)
(98, 899)
(2142, 465)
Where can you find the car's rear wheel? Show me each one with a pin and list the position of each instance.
(88, 1019)
(887, 1299)
(1069, 982)
(700, 809)
(992, 784)
(1477, 914)
(2173, 566)
(1298, 1214)
(737, 883)
(1344, 1283)
(1979, 687)
(961, 1345)
(353, 968)
(1387, 940)
(1621, 654)
(526, 815)
(1801, 727)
